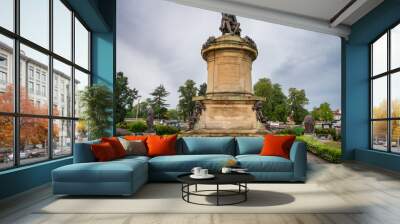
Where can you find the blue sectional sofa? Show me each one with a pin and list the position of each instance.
(125, 176)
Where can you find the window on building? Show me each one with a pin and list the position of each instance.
(44, 91)
(6, 73)
(3, 61)
(62, 74)
(37, 74)
(3, 78)
(3, 72)
(30, 73)
(385, 94)
(43, 77)
(30, 87)
(37, 89)
(56, 128)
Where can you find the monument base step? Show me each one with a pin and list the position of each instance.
(218, 133)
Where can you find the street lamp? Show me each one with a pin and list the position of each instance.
(138, 107)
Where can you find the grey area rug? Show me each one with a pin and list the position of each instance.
(166, 198)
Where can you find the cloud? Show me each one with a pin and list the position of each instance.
(160, 42)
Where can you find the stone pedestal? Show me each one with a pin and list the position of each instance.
(229, 102)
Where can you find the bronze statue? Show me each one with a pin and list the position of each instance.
(309, 124)
(260, 116)
(210, 40)
(250, 42)
(229, 24)
(150, 119)
(198, 109)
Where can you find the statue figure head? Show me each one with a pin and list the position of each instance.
(229, 24)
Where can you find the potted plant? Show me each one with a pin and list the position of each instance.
(96, 103)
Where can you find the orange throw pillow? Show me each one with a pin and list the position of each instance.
(277, 145)
(116, 145)
(103, 152)
(161, 145)
(136, 138)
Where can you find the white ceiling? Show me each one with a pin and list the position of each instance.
(315, 15)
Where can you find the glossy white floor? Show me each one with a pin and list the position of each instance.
(378, 189)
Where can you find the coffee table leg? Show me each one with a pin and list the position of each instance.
(245, 193)
(217, 194)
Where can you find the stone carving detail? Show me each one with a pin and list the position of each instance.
(198, 109)
(229, 24)
(260, 116)
(150, 119)
(210, 40)
(309, 124)
(250, 42)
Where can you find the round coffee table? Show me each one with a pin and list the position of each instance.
(238, 179)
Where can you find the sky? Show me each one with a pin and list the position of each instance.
(159, 42)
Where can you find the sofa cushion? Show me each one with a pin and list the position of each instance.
(207, 145)
(185, 163)
(103, 152)
(134, 147)
(277, 145)
(249, 145)
(161, 145)
(142, 138)
(116, 145)
(112, 171)
(257, 163)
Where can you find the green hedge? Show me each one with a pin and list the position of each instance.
(137, 126)
(324, 151)
(140, 127)
(328, 131)
(298, 131)
(165, 130)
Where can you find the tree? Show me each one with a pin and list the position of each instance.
(202, 89)
(315, 113)
(325, 112)
(124, 97)
(275, 106)
(96, 102)
(172, 114)
(297, 101)
(140, 109)
(322, 113)
(33, 131)
(158, 102)
(186, 94)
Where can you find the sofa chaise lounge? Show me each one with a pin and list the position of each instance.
(125, 176)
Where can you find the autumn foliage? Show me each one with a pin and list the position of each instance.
(33, 131)
(380, 127)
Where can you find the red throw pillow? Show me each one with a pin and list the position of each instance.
(277, 145)
(103, 152)
(136, 138)
(161, 145)
(116, 145)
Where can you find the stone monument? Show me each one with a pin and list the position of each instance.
(229, 106)
(309, 124)
(150, 119)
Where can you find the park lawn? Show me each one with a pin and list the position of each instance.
(330, 151)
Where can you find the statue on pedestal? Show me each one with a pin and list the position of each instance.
(309, 124)
(150, 119)
(198, 109)
(259, 115)
(229, 24)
